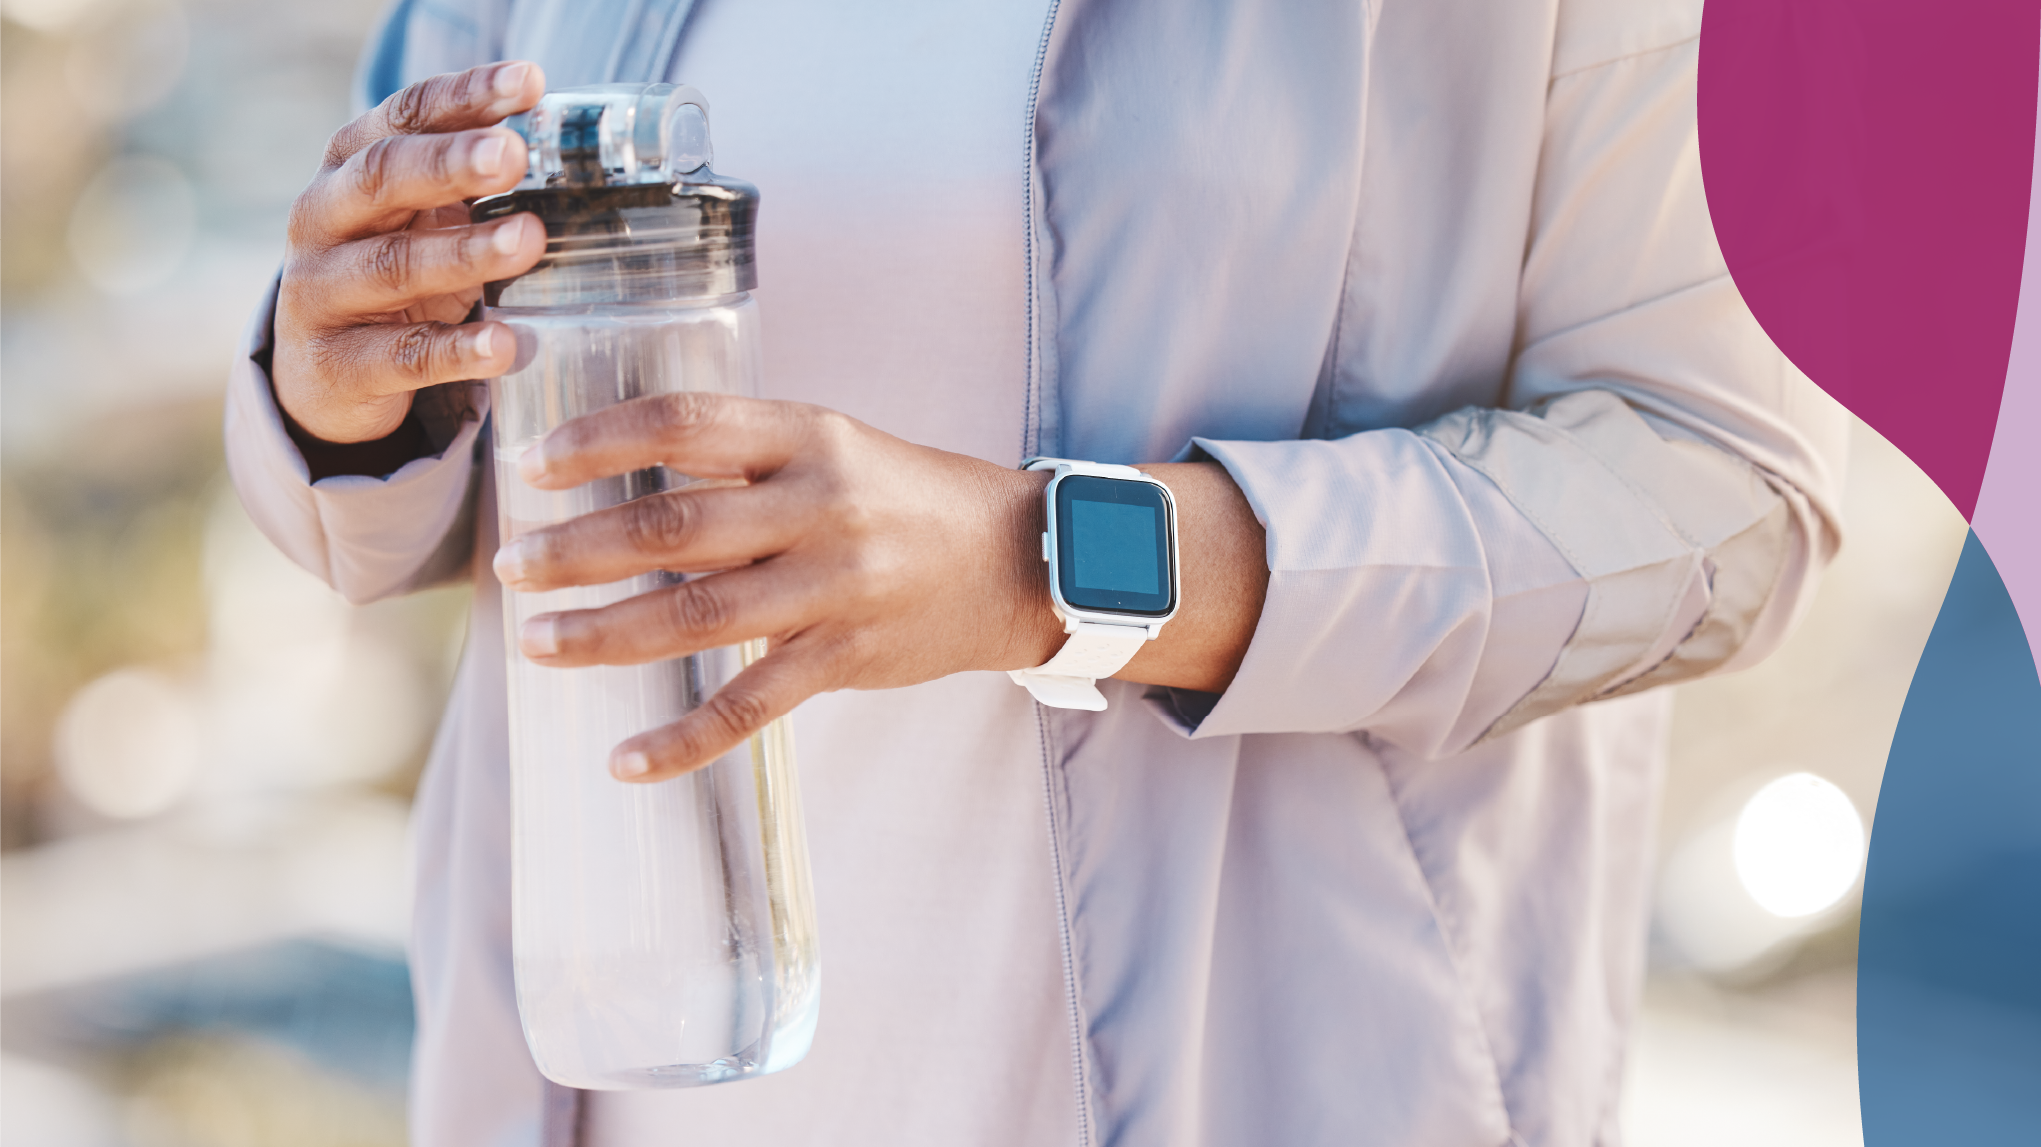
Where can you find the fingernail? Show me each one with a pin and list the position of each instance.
(509, 79)
(482, 344)
(531, 466)
(631, 765)
(512, 561)
(509, 235)
(540, 636)
(487, 156)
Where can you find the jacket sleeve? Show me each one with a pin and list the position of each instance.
(1654, 500)
(369, 537)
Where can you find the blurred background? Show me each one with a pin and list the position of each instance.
(203, 892)
(203, 882)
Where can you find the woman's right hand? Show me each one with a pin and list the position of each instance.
(382, 264)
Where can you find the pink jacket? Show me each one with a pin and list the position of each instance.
(1435, 282)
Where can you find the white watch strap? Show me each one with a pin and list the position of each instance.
(1072, 465)
(1066, 681)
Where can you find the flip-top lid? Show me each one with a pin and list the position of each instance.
(615, 134)
(619, 174)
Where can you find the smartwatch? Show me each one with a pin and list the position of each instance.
(1111, 552)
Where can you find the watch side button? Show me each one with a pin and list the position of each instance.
(1045, 545)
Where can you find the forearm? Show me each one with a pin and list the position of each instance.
(1225, 578)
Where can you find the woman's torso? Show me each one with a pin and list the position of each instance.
(1053, 928)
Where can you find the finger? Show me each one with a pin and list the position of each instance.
(689, 530)
(704, 613)
(383, 185)
(770, 687)
(706, 435)
(391, 271)
(391, 358)
(457, 101)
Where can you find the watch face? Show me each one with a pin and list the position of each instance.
(1112, 545)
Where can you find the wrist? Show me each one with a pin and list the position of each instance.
(1109, 548)
(1032, 632)
(377, 457)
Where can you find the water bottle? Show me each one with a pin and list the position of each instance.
(664, 934)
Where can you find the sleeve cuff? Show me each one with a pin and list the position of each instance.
(367, 537)
(1389, 566)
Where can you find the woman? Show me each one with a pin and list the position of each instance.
(1416, 308)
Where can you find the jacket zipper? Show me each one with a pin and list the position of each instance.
(1031, 444)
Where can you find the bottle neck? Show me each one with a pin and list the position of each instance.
(643, 243)
(510, 310)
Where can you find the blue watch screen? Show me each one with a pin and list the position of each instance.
(1113, 538)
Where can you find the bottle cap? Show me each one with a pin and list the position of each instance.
(611, 135)
(619, 174)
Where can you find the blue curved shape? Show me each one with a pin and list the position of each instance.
(1949, 957)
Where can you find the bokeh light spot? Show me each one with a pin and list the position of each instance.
(1799, 845)
(128, 744)
(133, 224)
(47, 16)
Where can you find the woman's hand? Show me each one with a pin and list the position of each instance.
(382, 262)
(870, 562)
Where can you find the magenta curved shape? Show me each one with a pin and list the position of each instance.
(1867, 165)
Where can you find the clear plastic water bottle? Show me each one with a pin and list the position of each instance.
(664, 934)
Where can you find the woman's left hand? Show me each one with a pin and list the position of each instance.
(868, 561)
